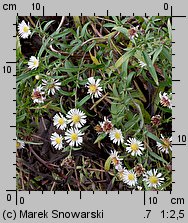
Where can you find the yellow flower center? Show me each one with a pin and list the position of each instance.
(153, 179)
(115, 161)
(58, 140)
(75, 118)
(134, 147)
(166, 144)
(25, 29)
(121, 174)
(74, 136)
(117, 135)
(51, 86)
(18, 144)
(61, 121)
(93, 88)
(131, 176)
(35, 62)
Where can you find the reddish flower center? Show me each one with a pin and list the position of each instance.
(107, 126)
(37, 94)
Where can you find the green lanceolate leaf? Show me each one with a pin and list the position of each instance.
(122, 30)
(83, 101)
(150, 67)
(20, 118)
(100, 137)
(107, 164)
(156, 54)
(84, 29)
(167, 53)
(157, 157)
(154, 137)
(169, 29)
(48, 24)
(124, 58)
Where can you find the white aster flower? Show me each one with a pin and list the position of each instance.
(24, 30)
(33, 63)
(51, 85)
(93, 87)
(133, 32)
(116, 136)
(59, 121)
(116, 160)
(106, 125)
(76, 118)
(38, 95)
(165, 99)
(156, 120)
(98, 128)
(130, 178)
(56, 140)
(20, 144)
(74, 137)
(166, 146)
(153, 179)
(134, 147)
(121, 171)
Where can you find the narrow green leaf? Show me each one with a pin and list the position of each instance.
(84, 128)
(75, 48)
(48, 25)
(20, 118)
(54, 107)
(124, 58)
(129, 78)
(169, 29)
(150, 67)
(83, 101)
(157, 157)
(154, 137)
(76, 148)
(25, 76)
(90, 47)
(18, 48)
(67, 149)
(70, 94)
(122, 30)
(94, 59)
(71, 69)
(67, 80)
(109, 25)
(156, 54)
(38, 178)
(100, 137)
(115, 92)
(54, 54)
(84, 29)
(44, 46)
(62, 108)
(107, 164)
(62, 34)
(167, 53)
